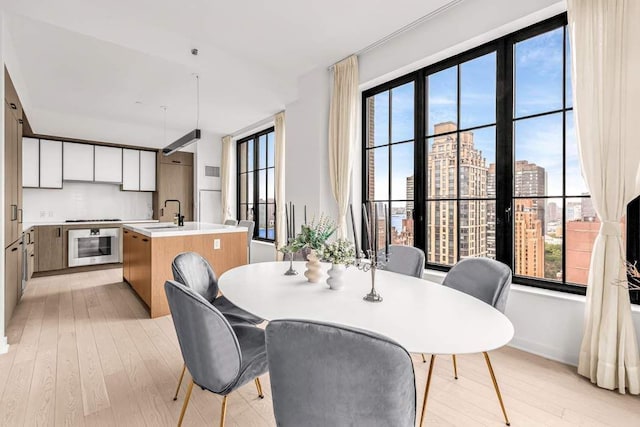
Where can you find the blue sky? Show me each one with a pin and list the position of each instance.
(538, 89)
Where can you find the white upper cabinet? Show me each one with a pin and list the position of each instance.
(147, 171)
(130, 170)
(78, 162)
(30, 162)
(50, 164)
(108, 164)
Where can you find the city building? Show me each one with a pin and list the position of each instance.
(528, 240)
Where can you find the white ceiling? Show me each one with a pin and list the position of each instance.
(76, 60)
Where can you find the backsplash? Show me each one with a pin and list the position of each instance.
(83, 200)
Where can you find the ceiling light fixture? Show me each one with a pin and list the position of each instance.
(192, 136)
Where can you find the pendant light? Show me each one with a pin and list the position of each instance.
(192, 136)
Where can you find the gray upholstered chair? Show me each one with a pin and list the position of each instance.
(406, 260)
(233, 222)
(331, 375)
(220, 358)
(250, 225)
(489, 281)
(192, 270)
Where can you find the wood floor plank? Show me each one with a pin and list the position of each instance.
(84, 352)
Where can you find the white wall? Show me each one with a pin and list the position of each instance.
(208, 152)
(83, 200)
(546, 323)
(4, 347)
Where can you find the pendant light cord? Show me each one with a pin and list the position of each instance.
(197, 101)
(164, 124)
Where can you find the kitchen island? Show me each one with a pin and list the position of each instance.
(149, 249)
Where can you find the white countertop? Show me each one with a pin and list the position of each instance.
(28, 225)
(168, 229)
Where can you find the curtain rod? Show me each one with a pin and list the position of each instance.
(402, 30)
(255, 125)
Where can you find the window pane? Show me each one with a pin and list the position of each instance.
(402, 104)
(442, 241)
(442, 167)
(581, 231)
(262, 186)
(442, 100)
(538, 73)
(378, 119)
(262, 221)
(477, 152)
(378, 173)
(270, 185)
(262, 151)
(250, 188)
(242, 152)
(401, 170)
(573, 172)
(401, 223)
(271, 149)
(271, 221)
(473, 228)
(478, 91)
(243, 188)
(569, 88)
(243, 212)
(491, 229)
(538, 154)
(537, 238)
(250, 165)
(251, 213)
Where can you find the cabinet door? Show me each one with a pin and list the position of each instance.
(78, 162)
(10, 280)
(108, 164)
(126, 255)
(49, 248)
(10, 182)
(143, 274)
(50, 164)
(30, 162)
(147, 171)
(130, 170)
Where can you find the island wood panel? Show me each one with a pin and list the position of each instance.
(148, 264)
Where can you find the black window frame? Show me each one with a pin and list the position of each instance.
(505, 111)
(255, 169)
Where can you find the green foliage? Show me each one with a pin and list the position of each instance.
(552, 260)
(312, 236)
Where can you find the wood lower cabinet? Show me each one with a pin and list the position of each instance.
(50, 248)
(12, 279)
(147, 261)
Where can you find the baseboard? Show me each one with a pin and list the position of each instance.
(4, 345)
(543, 351)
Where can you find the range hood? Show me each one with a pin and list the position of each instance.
(181, 142)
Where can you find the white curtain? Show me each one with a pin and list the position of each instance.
(281, 225)
(225, 178)
(343, 116)
(605, 38)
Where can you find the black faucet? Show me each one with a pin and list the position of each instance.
(180, 216)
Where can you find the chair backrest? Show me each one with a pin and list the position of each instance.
(231, 222)
(208, 344)
(250, 226)
(405, 260)
(484, 278)
(195, 272)
(331, 375)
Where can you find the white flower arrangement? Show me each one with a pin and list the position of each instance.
(339, 252)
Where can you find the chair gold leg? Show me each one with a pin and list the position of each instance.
(223, 414)
(424, 359)
(186, 403)
(426, 389)
(495, 385)
(455, 366)
(184, 368)
(259, 387)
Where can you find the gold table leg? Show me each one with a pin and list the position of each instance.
(426, 389)
(259, 387)
(495, 385)
(424, 359)
(455, 366)
(224, 411)
(184, 368)
(186, 403)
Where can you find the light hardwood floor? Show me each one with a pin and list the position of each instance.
(84, 352)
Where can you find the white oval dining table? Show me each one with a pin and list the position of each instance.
(422, 316)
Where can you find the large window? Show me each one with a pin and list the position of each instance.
(256, 171)
(477, 156)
